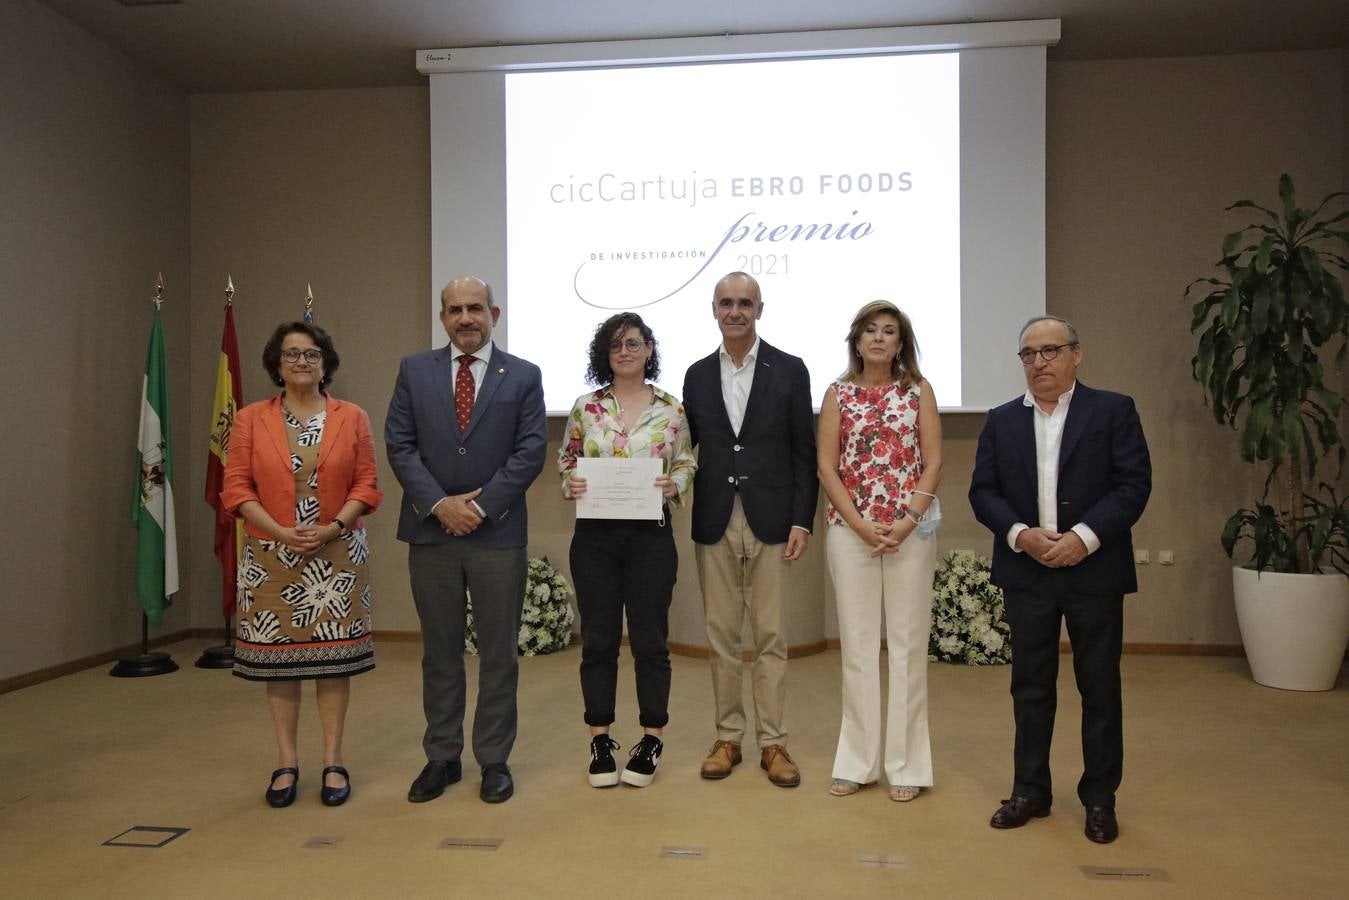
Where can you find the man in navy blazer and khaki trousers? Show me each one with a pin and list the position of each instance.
(750, 416)
(1061, 475)
(466, 435)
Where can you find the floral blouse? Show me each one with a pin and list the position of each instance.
(595, 428)
(879, 458)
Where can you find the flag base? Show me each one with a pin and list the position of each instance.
(144, 665)
(221, 657)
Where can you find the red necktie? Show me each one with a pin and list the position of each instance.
(463, 392)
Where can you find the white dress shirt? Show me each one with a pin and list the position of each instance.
(1048, 442)
(736, 383)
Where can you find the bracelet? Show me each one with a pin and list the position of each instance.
(916, 520)
(342, 526)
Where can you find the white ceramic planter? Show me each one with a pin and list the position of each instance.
(1294, 627)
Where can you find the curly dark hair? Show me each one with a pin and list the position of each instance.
(599, 372)
(271, 353)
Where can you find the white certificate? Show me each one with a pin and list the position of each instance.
(619, 488)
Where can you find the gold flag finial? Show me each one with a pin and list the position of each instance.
(229, 290)
(159, 290)
(308, 302)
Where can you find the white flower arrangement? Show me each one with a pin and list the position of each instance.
(968, 625)
(545, 622)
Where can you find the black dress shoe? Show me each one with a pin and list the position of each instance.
(1102, 826)
(436, 775)
(279, 797)
(497, 786)
(1017, 812)
(335, 796)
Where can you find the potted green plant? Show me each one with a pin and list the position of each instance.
(1267, 326)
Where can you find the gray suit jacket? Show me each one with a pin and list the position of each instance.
(501, 451)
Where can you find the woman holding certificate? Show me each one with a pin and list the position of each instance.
(623, 553)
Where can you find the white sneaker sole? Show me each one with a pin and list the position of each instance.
(637, 779)
(604, 779)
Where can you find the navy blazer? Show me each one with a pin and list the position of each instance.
(771, 462)
(502, 450)
(1105, 476)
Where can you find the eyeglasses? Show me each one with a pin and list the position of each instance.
(1028, 355)
(632, 345)
(291, 355)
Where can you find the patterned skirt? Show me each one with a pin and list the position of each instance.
(304, 616)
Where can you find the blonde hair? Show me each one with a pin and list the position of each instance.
(904, 367)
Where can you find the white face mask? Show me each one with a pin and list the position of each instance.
(931, 519)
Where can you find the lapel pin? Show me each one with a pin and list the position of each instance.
(501, 371)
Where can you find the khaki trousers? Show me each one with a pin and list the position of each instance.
(739, 577)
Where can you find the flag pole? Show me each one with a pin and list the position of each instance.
(221, 656)
(147, 663)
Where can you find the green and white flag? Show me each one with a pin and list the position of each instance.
(152, 507)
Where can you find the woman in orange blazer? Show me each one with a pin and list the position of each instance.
(300, 471)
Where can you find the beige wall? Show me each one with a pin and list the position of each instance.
(1143, 155)
(93, 163)
(329, 188)
(332, 188)
(1142, 158)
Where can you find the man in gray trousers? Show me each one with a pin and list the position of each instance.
(466, 435)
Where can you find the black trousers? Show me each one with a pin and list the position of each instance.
(623, 566)
(1096, 631)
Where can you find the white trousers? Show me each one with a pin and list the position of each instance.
(901, 585)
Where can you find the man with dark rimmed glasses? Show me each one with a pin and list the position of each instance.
(1061, 474)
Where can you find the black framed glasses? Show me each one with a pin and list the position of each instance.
(312, 355)
(632, 345)
(1027, 355)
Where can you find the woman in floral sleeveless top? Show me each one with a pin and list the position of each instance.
(880, 463)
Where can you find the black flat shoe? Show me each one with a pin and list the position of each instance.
(435, 776)
(497, 786)
(280, 797)
(1102, 826)
(335, 796)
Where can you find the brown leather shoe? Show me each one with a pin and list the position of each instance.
(723, 757)
(779, 766)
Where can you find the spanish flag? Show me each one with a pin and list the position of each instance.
(229, 531)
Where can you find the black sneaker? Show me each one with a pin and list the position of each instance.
(603, 769)
(641, 767)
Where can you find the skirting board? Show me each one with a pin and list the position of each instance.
(676, 647)
(698, 652)
(27, 679)
(1140, 649)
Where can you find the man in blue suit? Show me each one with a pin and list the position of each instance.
(1061, 474)
(749, 409)
(466, 435)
